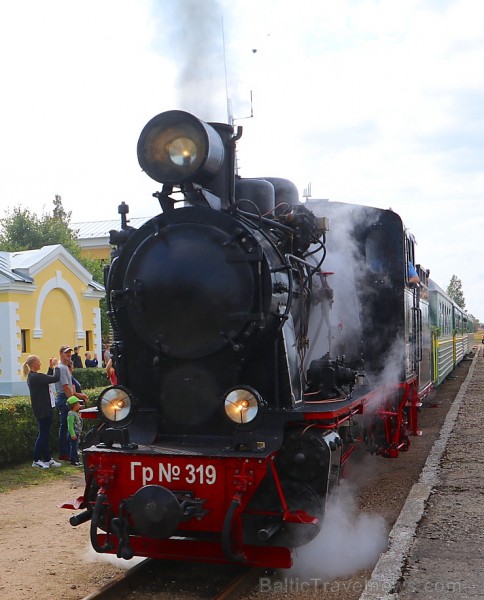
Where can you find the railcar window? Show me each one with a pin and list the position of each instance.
(445, 318)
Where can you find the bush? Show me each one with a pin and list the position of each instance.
(91, 378)
(18, 426)
(18, 430)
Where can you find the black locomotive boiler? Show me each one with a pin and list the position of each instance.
(241, 388)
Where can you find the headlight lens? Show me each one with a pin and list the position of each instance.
(115, 405)
(243, 405)
(182, 151)
(176, 147)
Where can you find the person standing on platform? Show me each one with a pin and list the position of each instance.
(89, 361)
(74, 425)
(65, 389)
(76, 358)
(41, 406)
(75, 383)
(106, 355)
(111, 372)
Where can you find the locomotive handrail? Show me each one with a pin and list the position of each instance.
(420, 337)
(417, 325)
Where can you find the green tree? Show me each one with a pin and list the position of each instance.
(20, 229)
(454, 290)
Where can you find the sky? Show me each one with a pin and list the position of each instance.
(375, 102)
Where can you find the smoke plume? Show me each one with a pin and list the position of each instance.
(191, 33)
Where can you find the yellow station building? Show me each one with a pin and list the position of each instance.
(47, 299)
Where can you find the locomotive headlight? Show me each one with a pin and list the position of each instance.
(243, 405)
(182, 151)
(115, 406)
(176, 147)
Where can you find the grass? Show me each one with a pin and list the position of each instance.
(23, 475)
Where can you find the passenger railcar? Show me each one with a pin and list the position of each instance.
(257, 341)
(452, 333)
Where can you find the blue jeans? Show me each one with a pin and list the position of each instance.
(73, 453)
(41, 448)
(61, 404)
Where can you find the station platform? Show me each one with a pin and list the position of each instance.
(436, 548)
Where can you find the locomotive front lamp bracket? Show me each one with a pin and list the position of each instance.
(110, 436)
(175, 147)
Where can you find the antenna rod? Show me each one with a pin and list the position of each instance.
(230, 120)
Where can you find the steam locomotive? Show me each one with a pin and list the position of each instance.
(257, 341)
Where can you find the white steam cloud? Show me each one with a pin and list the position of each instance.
(345, 263)
(91, 556)
(348, 542)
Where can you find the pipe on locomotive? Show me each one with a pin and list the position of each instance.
(226, 532)
(95, 523)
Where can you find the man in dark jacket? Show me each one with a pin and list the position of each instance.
(42, 406)
(76, 359)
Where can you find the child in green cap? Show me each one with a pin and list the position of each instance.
(74, 427)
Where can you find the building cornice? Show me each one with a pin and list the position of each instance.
(17, 287)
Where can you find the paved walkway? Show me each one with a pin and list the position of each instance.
(436, 547)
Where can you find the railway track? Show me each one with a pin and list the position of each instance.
(114, 588)
(240, 584)
(150, 578)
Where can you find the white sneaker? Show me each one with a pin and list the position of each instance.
(40, 464)
(53, 463)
